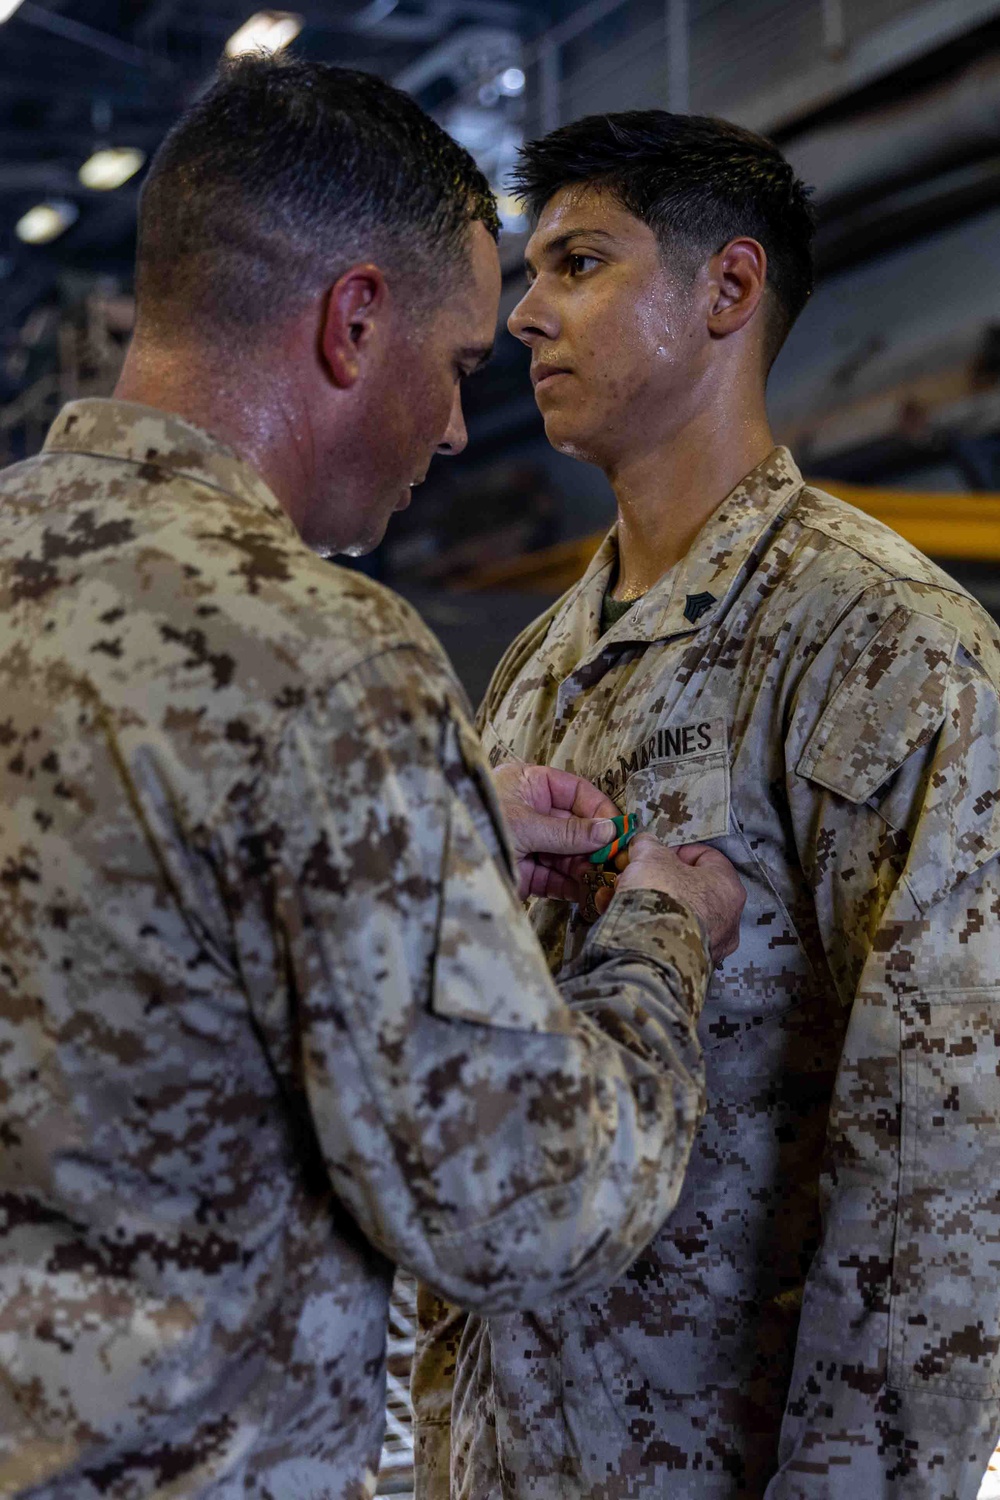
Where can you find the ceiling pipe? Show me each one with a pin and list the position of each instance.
(547, 50)
(381, 18)
(678, 24)
(925, 133)
(472, 54)
(86, 36)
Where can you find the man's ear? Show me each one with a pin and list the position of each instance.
(354, 311)
(738, 279)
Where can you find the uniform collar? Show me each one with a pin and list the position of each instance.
(158, 440)
(691, 596)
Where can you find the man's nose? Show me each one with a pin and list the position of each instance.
(456, 437)
(531, 319)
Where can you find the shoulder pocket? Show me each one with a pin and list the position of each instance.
(469, 756)
(891, 703)
(487, 967)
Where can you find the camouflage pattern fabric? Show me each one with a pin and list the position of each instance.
(271, 1015)
(820, 1317)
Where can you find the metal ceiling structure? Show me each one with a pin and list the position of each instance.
(79, 74)
(889, 107)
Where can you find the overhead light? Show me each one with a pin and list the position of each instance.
(512, 81)
(7, 9)
(267, 31)
(46, 221)
(374, 13)
(110, 167)
(511, 211)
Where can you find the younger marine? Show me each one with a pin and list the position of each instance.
(752, 663)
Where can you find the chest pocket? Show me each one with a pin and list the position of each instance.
(685, 797)
(682, 796)
(676, 784)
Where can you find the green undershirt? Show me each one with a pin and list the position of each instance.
(613, 610)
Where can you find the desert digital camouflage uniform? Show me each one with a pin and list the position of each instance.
(820, 1317)
(271, 1015)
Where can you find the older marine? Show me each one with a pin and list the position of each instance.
(271, 1015)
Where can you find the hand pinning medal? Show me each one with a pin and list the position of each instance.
(626, 828)
(604, 873)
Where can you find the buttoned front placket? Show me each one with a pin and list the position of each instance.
(779, 707)
(685, 605)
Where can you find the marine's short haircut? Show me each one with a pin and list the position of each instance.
(697, 183)
(282, 175)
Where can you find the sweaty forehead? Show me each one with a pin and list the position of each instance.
(485, 259)
(485, 281)
(583, 209)
(470, 306)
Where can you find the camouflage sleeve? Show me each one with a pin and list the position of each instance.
(482, 1136)
(894, 787)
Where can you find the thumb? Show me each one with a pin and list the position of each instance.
(570, 835)
(701, 854)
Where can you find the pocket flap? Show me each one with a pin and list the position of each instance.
(486, 964)
(891, 703)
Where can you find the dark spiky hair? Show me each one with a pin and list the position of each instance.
(280, 177)
(696, 182)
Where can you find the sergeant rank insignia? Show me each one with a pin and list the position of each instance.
(696, 605)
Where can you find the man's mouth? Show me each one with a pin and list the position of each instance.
(542, 374)
(407, 494)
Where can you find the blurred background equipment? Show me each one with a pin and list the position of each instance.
(889, 108)
(888, 389)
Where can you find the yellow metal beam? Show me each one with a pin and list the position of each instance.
(960, 526)
(965, 525)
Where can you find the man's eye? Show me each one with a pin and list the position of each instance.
(580, 264)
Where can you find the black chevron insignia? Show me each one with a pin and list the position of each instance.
(696, 605)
